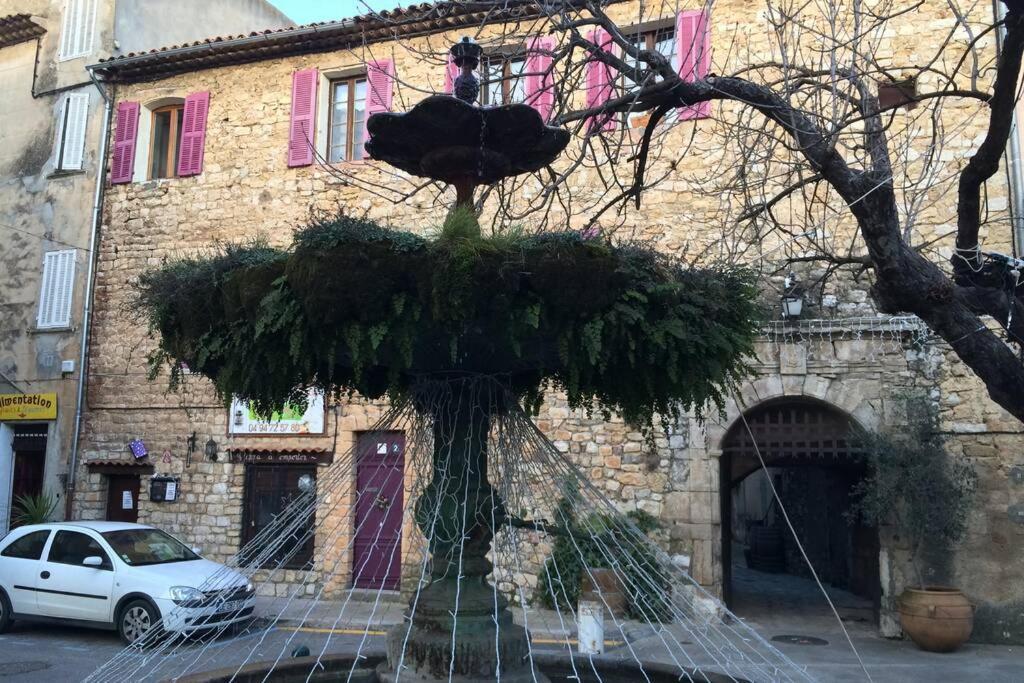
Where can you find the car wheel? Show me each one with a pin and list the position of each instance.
(5, 613)
(137, 622)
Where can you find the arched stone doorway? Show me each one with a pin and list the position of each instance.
(814, 463)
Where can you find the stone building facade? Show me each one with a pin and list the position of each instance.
(841, 359)
(51, 123)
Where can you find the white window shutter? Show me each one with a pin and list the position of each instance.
(78, 28)
(67, 29)
(60, 131)
(57, 290)
(71, 131)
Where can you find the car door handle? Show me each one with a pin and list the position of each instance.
(44, 575)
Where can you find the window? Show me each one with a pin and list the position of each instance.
(141, 547)
(662, 40)
(72, 547)
(69, 142)
(165, 141)
(659, 39)
(901, 93)
(347, 125)
(503, 80)
(58, 285)
(269, 489)
(28, 547)
(77, 29)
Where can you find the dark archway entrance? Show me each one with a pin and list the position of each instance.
(814, 464)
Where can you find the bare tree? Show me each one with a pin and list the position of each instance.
(803, 156)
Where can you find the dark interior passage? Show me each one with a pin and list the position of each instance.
(814, 466)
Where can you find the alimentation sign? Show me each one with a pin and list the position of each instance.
(28, 407)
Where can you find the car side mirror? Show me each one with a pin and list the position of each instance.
(197, 550)
(93, 561)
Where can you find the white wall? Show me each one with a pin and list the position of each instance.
(141, 25)
(6, 476)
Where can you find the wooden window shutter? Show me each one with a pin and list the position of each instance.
(540, 87)
(380, 75)
(300, 132)
(193, 134)
(70, 140)
(125, 136)
(78, 27)
(693, 48)
(600, 81)
(57, 289)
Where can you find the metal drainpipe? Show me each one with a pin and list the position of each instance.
(97, 207)
(1013, 154)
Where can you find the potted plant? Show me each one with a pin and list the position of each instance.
(914, 485)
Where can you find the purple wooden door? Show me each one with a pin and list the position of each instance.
(377, 552)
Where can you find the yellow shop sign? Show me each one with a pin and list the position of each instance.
(28, 406)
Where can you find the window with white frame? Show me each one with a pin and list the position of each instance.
(504, 81)
(658, 37)
(69, 142)
(77, 29)
(57, 289)
(347, 119)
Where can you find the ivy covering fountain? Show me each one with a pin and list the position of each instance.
(467, 327)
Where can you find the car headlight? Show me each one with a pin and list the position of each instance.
(185, 594)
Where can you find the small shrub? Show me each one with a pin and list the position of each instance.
(602, 541)
(914, 484)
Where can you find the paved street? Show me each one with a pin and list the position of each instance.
(46, 654)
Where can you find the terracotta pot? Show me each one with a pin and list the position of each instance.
(937, 619)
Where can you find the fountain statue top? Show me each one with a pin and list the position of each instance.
(452, 139)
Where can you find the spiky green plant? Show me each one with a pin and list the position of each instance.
(34, 509)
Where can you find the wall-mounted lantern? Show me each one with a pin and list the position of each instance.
(211, 450)
(792, 297)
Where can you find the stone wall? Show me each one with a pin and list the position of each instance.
(246, 190)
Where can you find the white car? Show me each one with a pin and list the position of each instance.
(114, 575)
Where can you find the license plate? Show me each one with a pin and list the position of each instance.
(232, 606)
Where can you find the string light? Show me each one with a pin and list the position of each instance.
(691, 631)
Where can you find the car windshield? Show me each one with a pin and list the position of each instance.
(139, 547)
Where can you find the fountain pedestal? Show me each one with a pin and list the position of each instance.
(458, 627)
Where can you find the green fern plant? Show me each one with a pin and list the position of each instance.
(35, 509)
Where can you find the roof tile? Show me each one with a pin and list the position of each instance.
(418, 19)
(18, 28)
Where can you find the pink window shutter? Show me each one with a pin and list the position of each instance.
(193, 134)
(451, 72)
(300, 132)
(600, 81)
(380, 76)
(125, 136)
(540, 88)
(693, 43)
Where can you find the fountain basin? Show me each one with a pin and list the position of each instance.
(557, 667)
